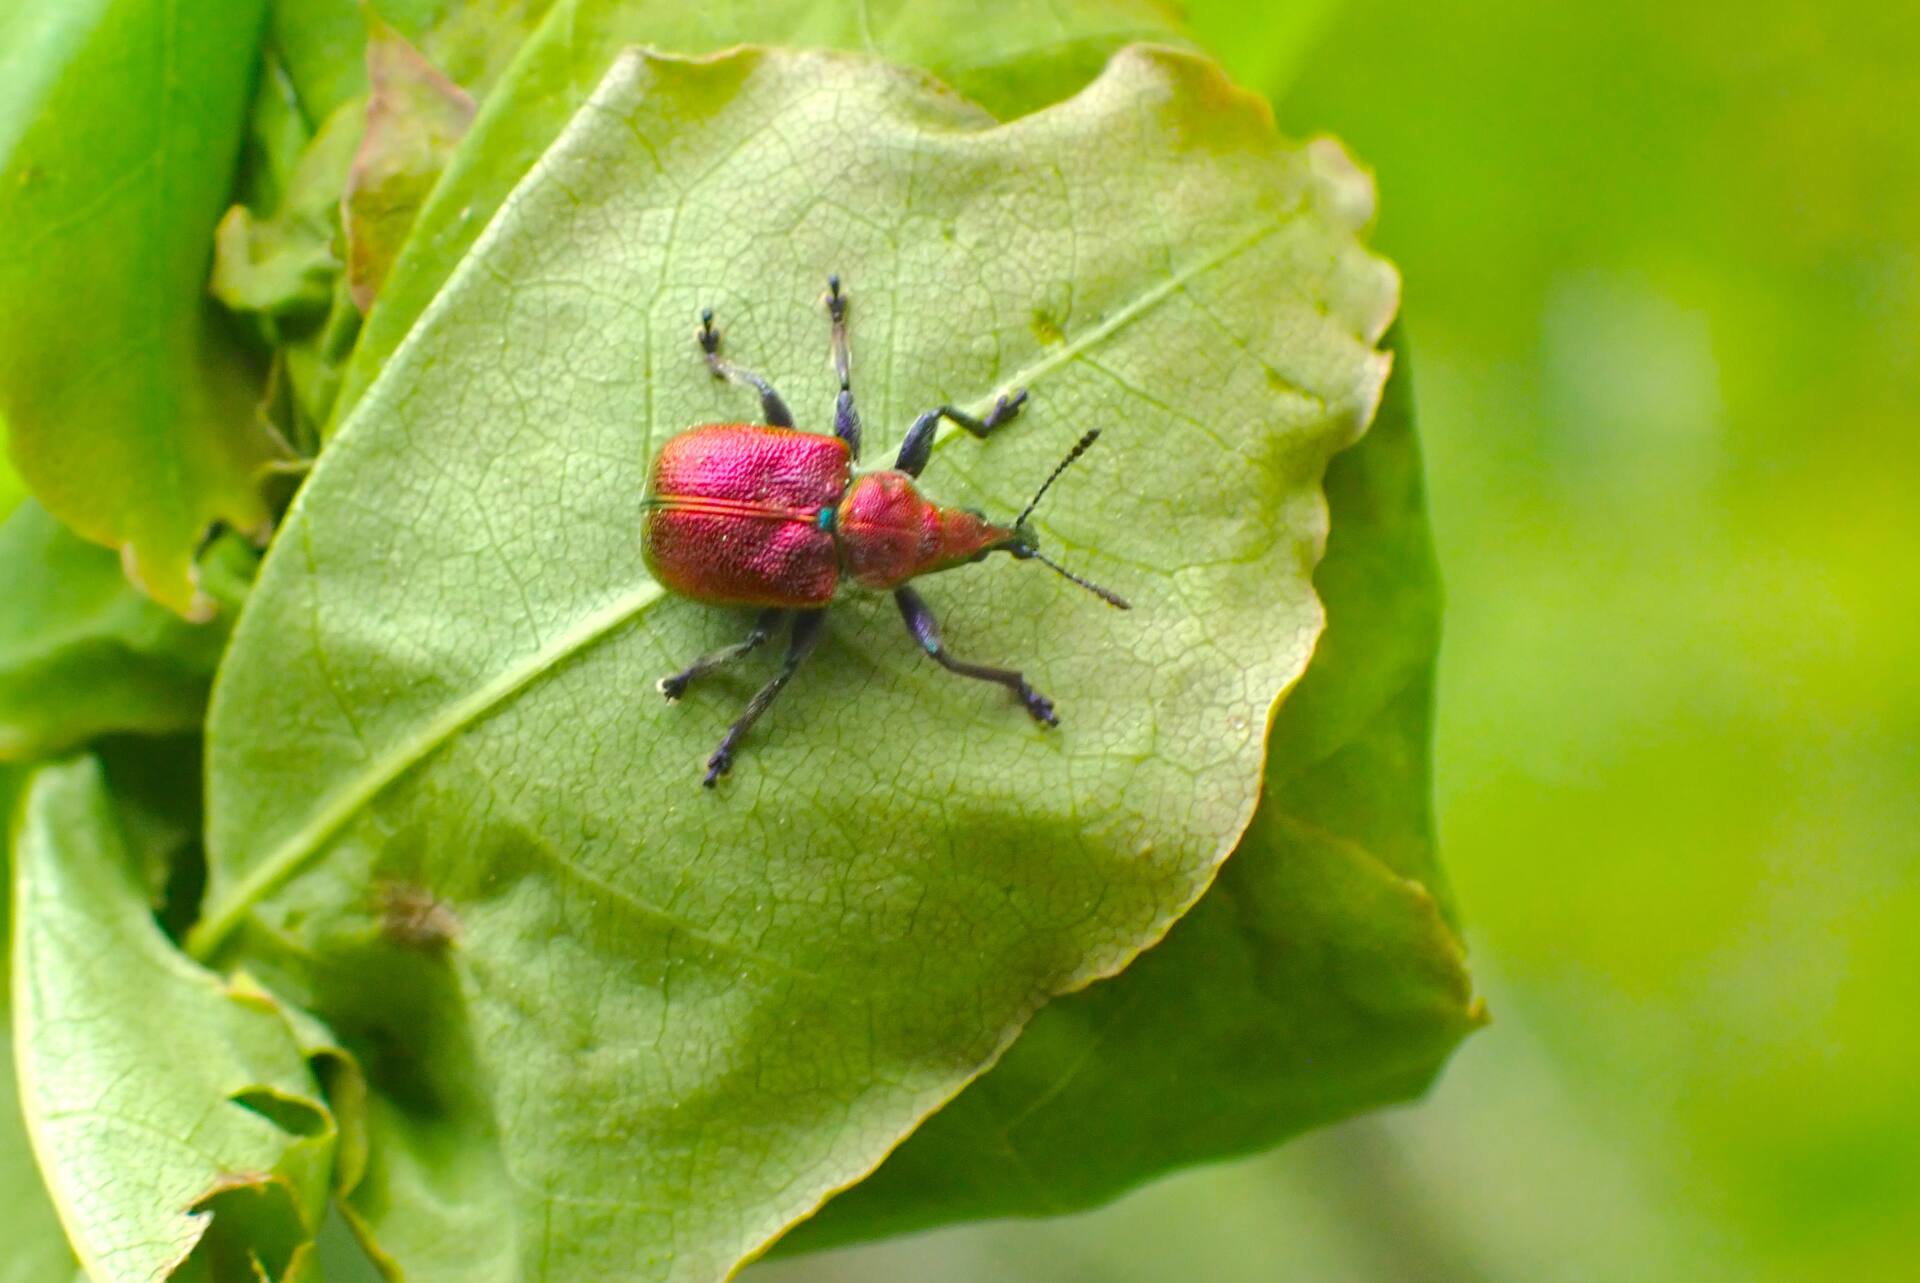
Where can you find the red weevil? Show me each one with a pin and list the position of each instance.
(740, 514)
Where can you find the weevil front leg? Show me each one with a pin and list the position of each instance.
(675, 686)
(846, 420)
(772, 408)
(915, 450)
(806, 634)
(926, 630)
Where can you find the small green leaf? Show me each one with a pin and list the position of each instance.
(285, 264)
(129, 408)
(1319, 976)
(82, 653)
(280, 255)
(666, 1022)
(415, 116)
(162, 1101)
(285, 269)
(1012, 56)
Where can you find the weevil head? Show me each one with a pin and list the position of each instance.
(1025, 542)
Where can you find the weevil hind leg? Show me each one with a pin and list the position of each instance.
(675, 686)
(805, 636)
(772, 408)
(846, 420)
(915, 450)
(926, 630)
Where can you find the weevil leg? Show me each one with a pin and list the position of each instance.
(926, 630)
(771, 406)
(846, 420)
(915, 450)
(806, 634)
(675, 686)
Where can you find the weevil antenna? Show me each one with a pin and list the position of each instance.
(1023, 545)
(1107, 595)
(1080, 448)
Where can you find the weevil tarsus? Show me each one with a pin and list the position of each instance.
(772, 408)
(800, 644)
(675, 686)
(918, 446)
(926, 631)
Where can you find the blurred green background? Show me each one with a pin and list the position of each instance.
(1663, 291)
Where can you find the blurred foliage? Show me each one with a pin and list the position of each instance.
(11, 491)
(1661, 271)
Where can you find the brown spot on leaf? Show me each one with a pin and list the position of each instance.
(413, 916)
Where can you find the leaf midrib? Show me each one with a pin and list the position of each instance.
(307, 840)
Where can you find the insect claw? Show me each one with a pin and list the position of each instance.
(1006, 408)
(672, 687)
(717, 765)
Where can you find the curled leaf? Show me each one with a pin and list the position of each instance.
(157, 1095)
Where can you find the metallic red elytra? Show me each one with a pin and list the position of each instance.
(739, 514)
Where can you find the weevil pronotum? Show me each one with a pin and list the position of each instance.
(743, 514)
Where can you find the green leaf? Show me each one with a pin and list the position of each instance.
(1318, 977)
(82, 653)
(415, 116)
(154, 787)
(650, 997)
(1011, 56)
(36, 1249)
(173, 1113)
(129, 409)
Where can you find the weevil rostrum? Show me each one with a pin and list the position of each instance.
(767, 516)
